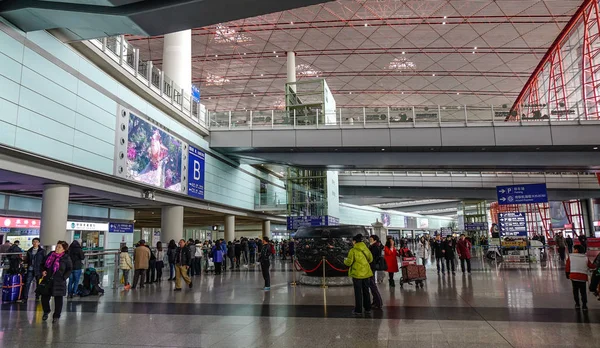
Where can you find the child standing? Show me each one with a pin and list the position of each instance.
(577, 271)
(126, 265)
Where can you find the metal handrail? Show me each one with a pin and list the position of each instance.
(378, 117)
(127, 56)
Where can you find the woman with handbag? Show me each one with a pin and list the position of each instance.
(56, 270)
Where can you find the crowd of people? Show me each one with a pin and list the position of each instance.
(187, 259)
(365, 259)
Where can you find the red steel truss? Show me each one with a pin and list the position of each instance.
(546, 93)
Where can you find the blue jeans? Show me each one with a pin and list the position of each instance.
(74, 281)
(171, 270)
(29, 279)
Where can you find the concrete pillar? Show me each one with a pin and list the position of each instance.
(291, 69)
(266, 229)
(229, 228)
(587, 205)
(55, 209)
(177, 58)
(171, 224)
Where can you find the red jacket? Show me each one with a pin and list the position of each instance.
(463, 247)
(576, 267)
(391, 260)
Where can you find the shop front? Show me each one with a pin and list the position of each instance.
(91, 235)
(23, 229)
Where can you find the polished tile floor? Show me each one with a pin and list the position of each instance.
(506, 305)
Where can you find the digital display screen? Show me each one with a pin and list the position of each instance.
(153, 156)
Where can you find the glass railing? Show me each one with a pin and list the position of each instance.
(270, 201)
(127, 56)
(430, 173)
(374, 117)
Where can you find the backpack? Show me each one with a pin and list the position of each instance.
(91, 283)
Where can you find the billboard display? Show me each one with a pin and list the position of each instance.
(154, 157)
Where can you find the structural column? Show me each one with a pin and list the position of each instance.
(587, 206)
(229, 228)
(291, 69)
(266, 229)
(55, 209)
(177, 58)
(171, 224)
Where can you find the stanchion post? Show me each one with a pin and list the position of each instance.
(324, 285)
(293, 283)
(116, 275)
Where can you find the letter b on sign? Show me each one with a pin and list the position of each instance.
(197, 173)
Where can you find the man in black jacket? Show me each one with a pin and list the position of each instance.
(76, 254)
(34, 259)
(376, 250)
(449, 246)
(183, 260)
(265, 262)
(437, 247)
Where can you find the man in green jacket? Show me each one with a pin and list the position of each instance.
(359, 259)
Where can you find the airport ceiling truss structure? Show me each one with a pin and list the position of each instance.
(377, 52)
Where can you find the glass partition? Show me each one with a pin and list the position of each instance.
(427, 115)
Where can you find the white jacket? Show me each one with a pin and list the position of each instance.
(423, 250)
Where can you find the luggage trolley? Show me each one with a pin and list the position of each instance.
(412, 272)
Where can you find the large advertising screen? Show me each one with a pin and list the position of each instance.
(153, 156)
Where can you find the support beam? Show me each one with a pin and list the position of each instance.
(229, 228)
(55, 209)
(171, 225)
(266, 229)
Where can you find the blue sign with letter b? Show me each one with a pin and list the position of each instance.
(196, 172)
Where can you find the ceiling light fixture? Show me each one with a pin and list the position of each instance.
(475, 47)
(244, 53)
(443, 23)
(445, 17)
(292, 23)
(224, 34)
(473, 52)
(350, 93)
(261, 75)
(277, 56)
(457, 93)
(216, 55)
(307, 70)
(215, 80)
(401, 64)
(433, 75)
(366, 24)
(403, 52)
(274, 52)
(596, 148)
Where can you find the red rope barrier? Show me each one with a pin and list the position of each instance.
(337, 269)
(298, 264)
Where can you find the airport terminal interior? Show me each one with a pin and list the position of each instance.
(307, 173)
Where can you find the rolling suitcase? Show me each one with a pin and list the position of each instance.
(410, 272)
(12, 287)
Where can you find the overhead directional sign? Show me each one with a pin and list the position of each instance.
(522, 194)
(512, 224)
(476, 226)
